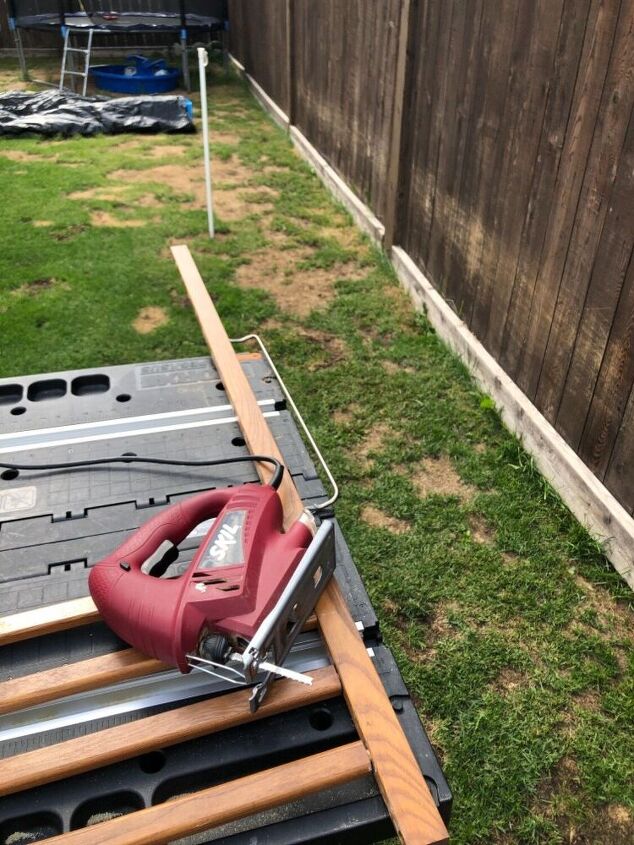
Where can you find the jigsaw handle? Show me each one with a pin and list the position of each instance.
(171, 525)
(123, 593)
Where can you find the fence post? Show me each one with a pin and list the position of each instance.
(290, 62)
(394, 158)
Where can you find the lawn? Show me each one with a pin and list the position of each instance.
(512, 631)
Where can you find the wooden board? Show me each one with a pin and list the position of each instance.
(514, 181)
(584, 494)
(64, 615)
(71, 678)
(609, 131)
(344, 83)
(263, 45)
(412, 808)
(47, 620)
(227, 802)
(89, 752)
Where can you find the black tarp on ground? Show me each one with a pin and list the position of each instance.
(55, 113)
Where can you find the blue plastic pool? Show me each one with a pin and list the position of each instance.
(138, 76)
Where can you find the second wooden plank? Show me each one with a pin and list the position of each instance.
(227, 802)
(122, 742)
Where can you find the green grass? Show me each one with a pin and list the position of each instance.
(512, 631)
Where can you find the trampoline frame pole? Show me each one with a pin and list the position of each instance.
(17, 38)
(184, 56)
(19, 46)
(203, 59)
(185, 60)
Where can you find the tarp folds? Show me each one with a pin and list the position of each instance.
(55, 113)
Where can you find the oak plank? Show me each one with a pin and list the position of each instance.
(64, 615)
(82, 675)
(227, 802)
(71, 678)
(85, 753)
(412, 808)
(47, 620)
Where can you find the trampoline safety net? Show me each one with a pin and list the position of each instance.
(119, 15)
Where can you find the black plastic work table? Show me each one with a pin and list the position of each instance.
(55, 525)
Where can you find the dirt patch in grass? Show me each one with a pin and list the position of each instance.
(610, 824)
(116, 194)
(42, 224)
(104, 218)
(168, 151)
(508, 680)
(230, 204)
(347, 236)
(35, 287)
(618, 619)
(69, 232)
(372, 443)
(180, 299)
(189, 179)
(298, 291)
(344, 416)
(589, 700)
(228, 138)
(330, 348)
(392, 369)
(21, 155)
(103, 193)
(275, 168)
(375, 517)
(149, 319)
(437, 476)
(233, 205)
(481, 530)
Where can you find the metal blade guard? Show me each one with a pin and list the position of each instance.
(243, 599)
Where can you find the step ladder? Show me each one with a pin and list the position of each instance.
(69, 65)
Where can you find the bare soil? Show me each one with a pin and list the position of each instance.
(149, 319)
(344, 416)
(437, 476)
(104, 218)
(373, 442)
(375, 517)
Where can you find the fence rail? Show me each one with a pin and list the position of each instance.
(495, 140)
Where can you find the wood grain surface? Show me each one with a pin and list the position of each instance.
(71, 678)
(47, 620)
(190, 814)
(85, 753)
(63, 615)
(411, 806)
(497, 150)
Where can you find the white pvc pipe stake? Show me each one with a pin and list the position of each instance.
(203, 61)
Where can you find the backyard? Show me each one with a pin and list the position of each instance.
(514, 634)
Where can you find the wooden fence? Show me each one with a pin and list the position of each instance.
(494, 139)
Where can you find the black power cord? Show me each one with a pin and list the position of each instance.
(276, 478)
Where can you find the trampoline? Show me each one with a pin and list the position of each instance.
(185, 17)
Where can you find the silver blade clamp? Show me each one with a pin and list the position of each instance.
(273, 640)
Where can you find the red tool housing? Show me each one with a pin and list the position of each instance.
(233, 582)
